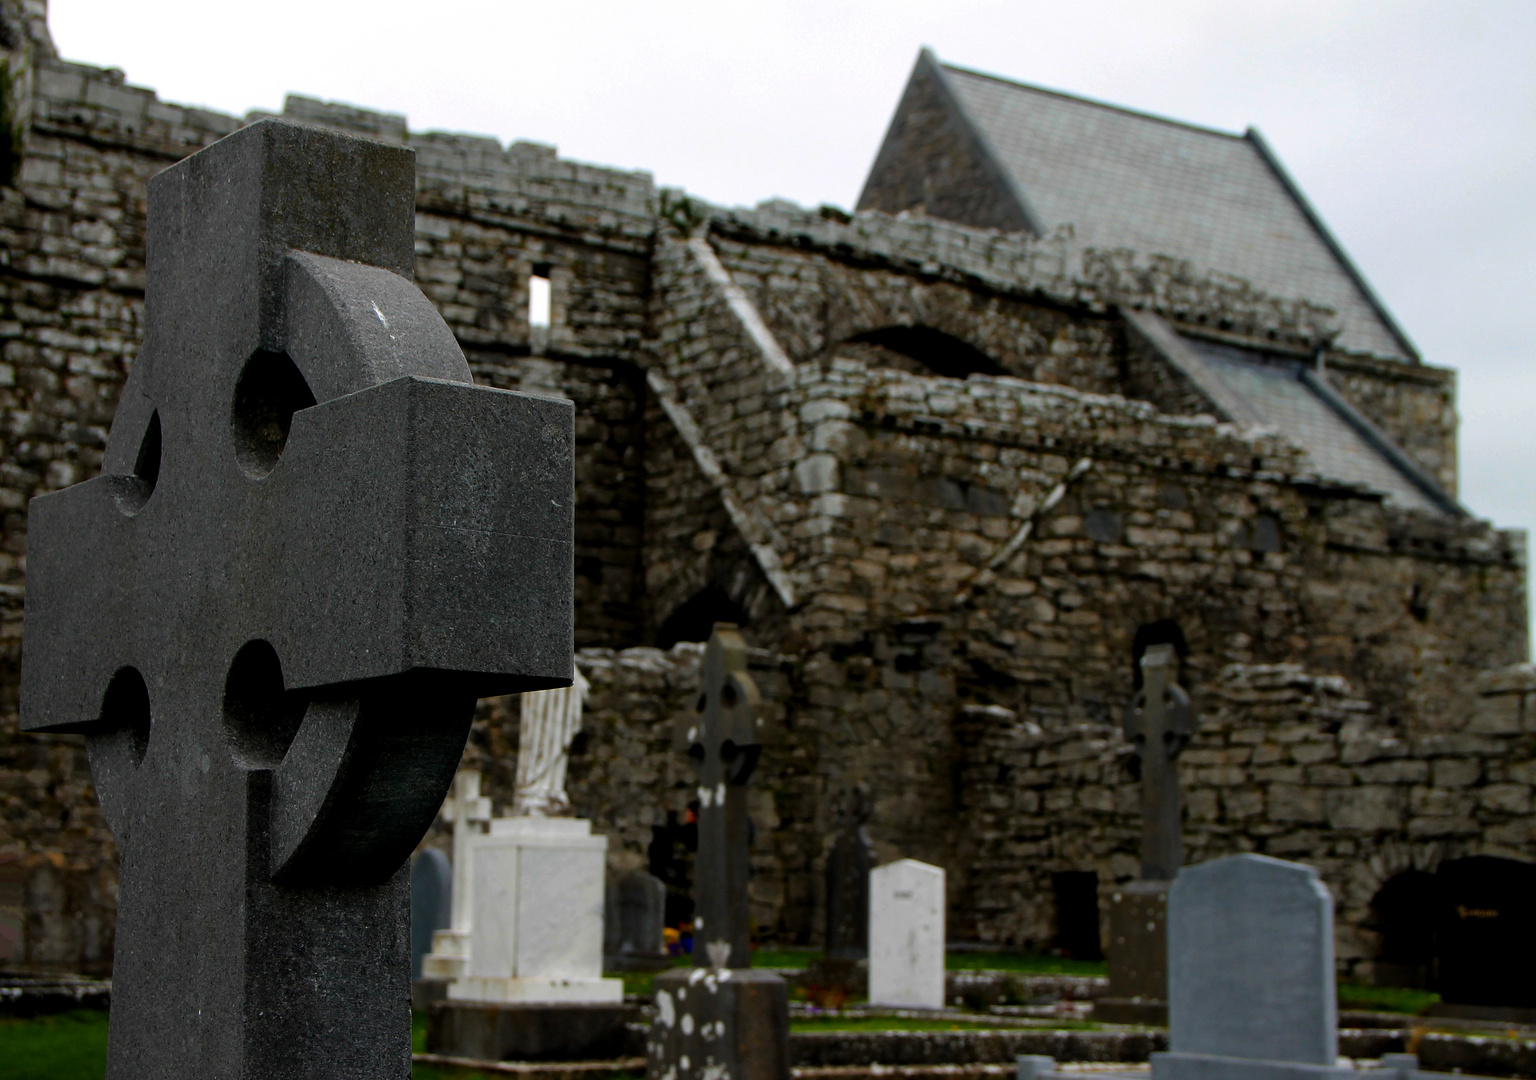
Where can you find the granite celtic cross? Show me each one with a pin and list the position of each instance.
(722, 739)
(313, 544)
(1159, 724)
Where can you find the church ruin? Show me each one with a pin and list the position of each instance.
(1071, 382)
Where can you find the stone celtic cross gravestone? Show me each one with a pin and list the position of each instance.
(722, 1020)
(1158, 722)
(1250, 974)
(313, 545)
(848, 868)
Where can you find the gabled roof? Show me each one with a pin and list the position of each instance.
(1125, 179)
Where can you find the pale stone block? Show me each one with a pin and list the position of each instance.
(906, 935)
(536, 931)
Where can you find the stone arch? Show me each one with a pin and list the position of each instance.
(1158, 632)
(921, 350)
(694, 618)
(1402, 914)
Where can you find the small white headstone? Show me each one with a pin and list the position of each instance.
(1250, 973)
(537, 925)
(906, 935)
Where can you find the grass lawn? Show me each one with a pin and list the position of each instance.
(1022, 963)
(1027, 963)
(1385, 999)
(894, 1023)
(68, 1046)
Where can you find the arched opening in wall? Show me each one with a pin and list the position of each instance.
(1161, 632)
(1486, 935)
(1077, 914)
(695, 618)
(670, 857)
(1404, 912)
(921, 350)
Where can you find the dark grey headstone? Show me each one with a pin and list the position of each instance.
(313, 545)
(721, 1021)
(634, 922)
(431, 902)
(848, 866)
(1250, 972)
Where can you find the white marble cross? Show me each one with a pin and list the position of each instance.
(469, 812)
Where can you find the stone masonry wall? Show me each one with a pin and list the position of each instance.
(955, 593)
(1415, 404)
(1286, 763)
(71, 316)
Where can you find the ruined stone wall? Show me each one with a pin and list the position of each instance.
(1287, 763)
(625, 777)
(1414, 404)
(894, 526)
(725, 440)
(813, 301)
(71, 319)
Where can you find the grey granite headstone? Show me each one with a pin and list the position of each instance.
(431, 902)
(1250, 973)
(634, 924)
(313, 544)
(722, 1020)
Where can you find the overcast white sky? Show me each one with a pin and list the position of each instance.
(1411, 125)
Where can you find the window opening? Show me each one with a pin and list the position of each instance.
(538, 298)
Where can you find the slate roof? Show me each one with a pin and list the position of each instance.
(1274, 389)
(1127, 179)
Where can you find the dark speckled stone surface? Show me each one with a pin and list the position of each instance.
(313, 545)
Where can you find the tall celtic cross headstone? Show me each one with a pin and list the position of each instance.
(1158, 722)
(848, 869)
(721, 739)
(314, 543)
(722, 1020)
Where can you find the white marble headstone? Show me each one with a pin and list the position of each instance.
(906, 935)
(537, 923)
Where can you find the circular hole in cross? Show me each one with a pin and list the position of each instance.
(728, 696)
(134, 491)
(260, 717)
(267, 394)
(125, 710)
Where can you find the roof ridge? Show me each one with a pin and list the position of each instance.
(1096, 103)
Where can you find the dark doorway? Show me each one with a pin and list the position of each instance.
(695, 618)
(1405, 911)
(670, 856)
(1486, 939)
(938, 352)
(1077, 914)
(1161, 632)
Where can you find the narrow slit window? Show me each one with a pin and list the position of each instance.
(538, 300)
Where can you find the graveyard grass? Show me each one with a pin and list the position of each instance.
(73, 1046)
(979, 960)
(68, 1046)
